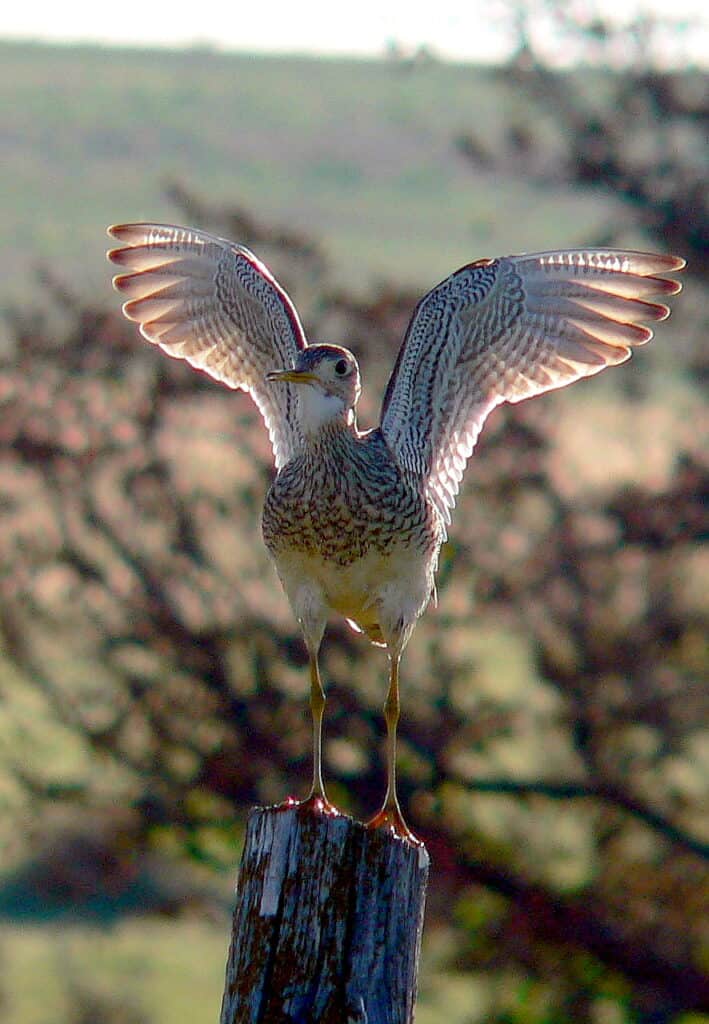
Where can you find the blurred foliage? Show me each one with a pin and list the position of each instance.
(552, 735)
(641, 135)
(553, 738)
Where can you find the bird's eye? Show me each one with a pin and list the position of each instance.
(341, 367)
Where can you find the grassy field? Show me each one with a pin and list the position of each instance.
(146, 967)
(361, 153)
(148, 971)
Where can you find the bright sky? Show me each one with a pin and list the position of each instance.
(459, 29)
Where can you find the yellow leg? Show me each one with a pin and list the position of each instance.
(317, 707)
(390, 815)
(391, 717)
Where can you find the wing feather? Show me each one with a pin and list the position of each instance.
(504, 330)
(213, 303)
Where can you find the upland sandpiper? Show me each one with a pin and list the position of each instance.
(354, 520)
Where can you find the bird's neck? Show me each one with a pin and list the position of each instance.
(320, 413)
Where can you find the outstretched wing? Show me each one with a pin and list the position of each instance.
(502, 330)
(213, 303)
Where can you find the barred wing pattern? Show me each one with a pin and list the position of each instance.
(213, 303)
(502, 330)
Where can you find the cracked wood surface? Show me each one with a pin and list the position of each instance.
(327, 923)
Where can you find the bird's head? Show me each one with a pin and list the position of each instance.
(328, 383)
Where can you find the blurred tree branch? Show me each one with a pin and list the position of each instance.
(624, 125)
(608, 794)
(580, 922)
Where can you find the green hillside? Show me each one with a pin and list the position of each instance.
(361, 153)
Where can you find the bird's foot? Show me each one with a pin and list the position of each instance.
(317, 803)
(391, 820)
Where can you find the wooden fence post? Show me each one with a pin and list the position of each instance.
(327, 924)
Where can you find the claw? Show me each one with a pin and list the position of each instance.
(318, 803)
(391, 820)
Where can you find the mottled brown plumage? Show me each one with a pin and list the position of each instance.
(344, 496)
(342, 501)
(354, 521)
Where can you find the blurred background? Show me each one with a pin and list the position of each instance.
(153, 686)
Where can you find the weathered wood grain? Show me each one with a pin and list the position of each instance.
(327, 924)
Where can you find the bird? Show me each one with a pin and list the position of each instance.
(354, 519)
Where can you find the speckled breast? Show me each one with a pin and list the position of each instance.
(343, 497)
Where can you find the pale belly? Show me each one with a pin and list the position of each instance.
(381, 594)
(351, 534)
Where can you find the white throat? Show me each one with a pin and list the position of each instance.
(317, 409)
